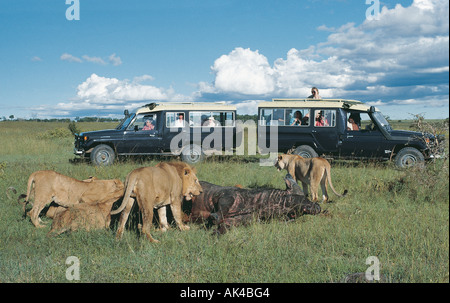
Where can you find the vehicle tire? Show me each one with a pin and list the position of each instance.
(192, 154)
(306, 151)
(102, 155)
(409, 157)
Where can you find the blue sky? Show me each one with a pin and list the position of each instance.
(122, 53)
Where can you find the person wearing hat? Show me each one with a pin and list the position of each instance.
(210, 122)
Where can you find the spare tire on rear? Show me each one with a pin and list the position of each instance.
(306, 151)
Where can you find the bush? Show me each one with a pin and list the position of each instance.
(74, 128)
(56, 133)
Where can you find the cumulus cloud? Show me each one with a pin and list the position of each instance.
(402, 55)
(99, 89)
(243, 71)
(103, 96)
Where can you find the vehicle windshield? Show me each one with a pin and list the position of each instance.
(382, 121)
(125, 121)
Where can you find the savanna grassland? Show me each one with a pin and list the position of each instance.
(400, 217)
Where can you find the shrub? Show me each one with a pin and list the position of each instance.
(55, 133)
(74, 128)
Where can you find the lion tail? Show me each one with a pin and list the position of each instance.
(328, 172)
(26, 197)
(130, 183)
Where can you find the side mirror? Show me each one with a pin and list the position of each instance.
(126, 113)
(372, 109)
(136, 128)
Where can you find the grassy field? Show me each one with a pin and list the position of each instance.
(400, 217)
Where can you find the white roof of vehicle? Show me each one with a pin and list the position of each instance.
(182, 106)
(312, 103)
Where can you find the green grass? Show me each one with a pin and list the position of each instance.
(401, 217)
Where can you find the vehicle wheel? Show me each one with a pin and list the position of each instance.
(102, 155)
(192, 154)
(409, 157)
(306, 151)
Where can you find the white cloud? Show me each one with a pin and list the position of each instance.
(143, 78)
(243, 71)
(96, 60)
(115, 60)
(112, 59)
(105, 90)
(70, 58)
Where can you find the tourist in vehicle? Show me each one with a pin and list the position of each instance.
(297, 119)
(315, 94)
(351, 125)
(210, 122)
(320, 120)
(180, 121)
(148, 125)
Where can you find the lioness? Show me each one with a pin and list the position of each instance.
(81, 216)
(156, 187)
(310, 171)
(49, 186)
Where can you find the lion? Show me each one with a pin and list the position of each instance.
(310, 171)
(49, 186)
(81, 216)
(155, 187)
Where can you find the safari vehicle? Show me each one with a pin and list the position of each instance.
(342, 129)
(156, 129)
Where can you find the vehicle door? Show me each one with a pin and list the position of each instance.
(361, 138)
(325, 130)
(142, 136)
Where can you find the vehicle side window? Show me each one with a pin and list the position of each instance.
(362, 121)
(324, 118)
(175, 119)
(143, 122)
(273, 117)
(211, 119)
(353, 120)
(297, 117)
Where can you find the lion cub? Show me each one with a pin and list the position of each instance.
(310, 171)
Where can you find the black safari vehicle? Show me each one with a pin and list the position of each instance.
(163, 129)
(343, 129)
